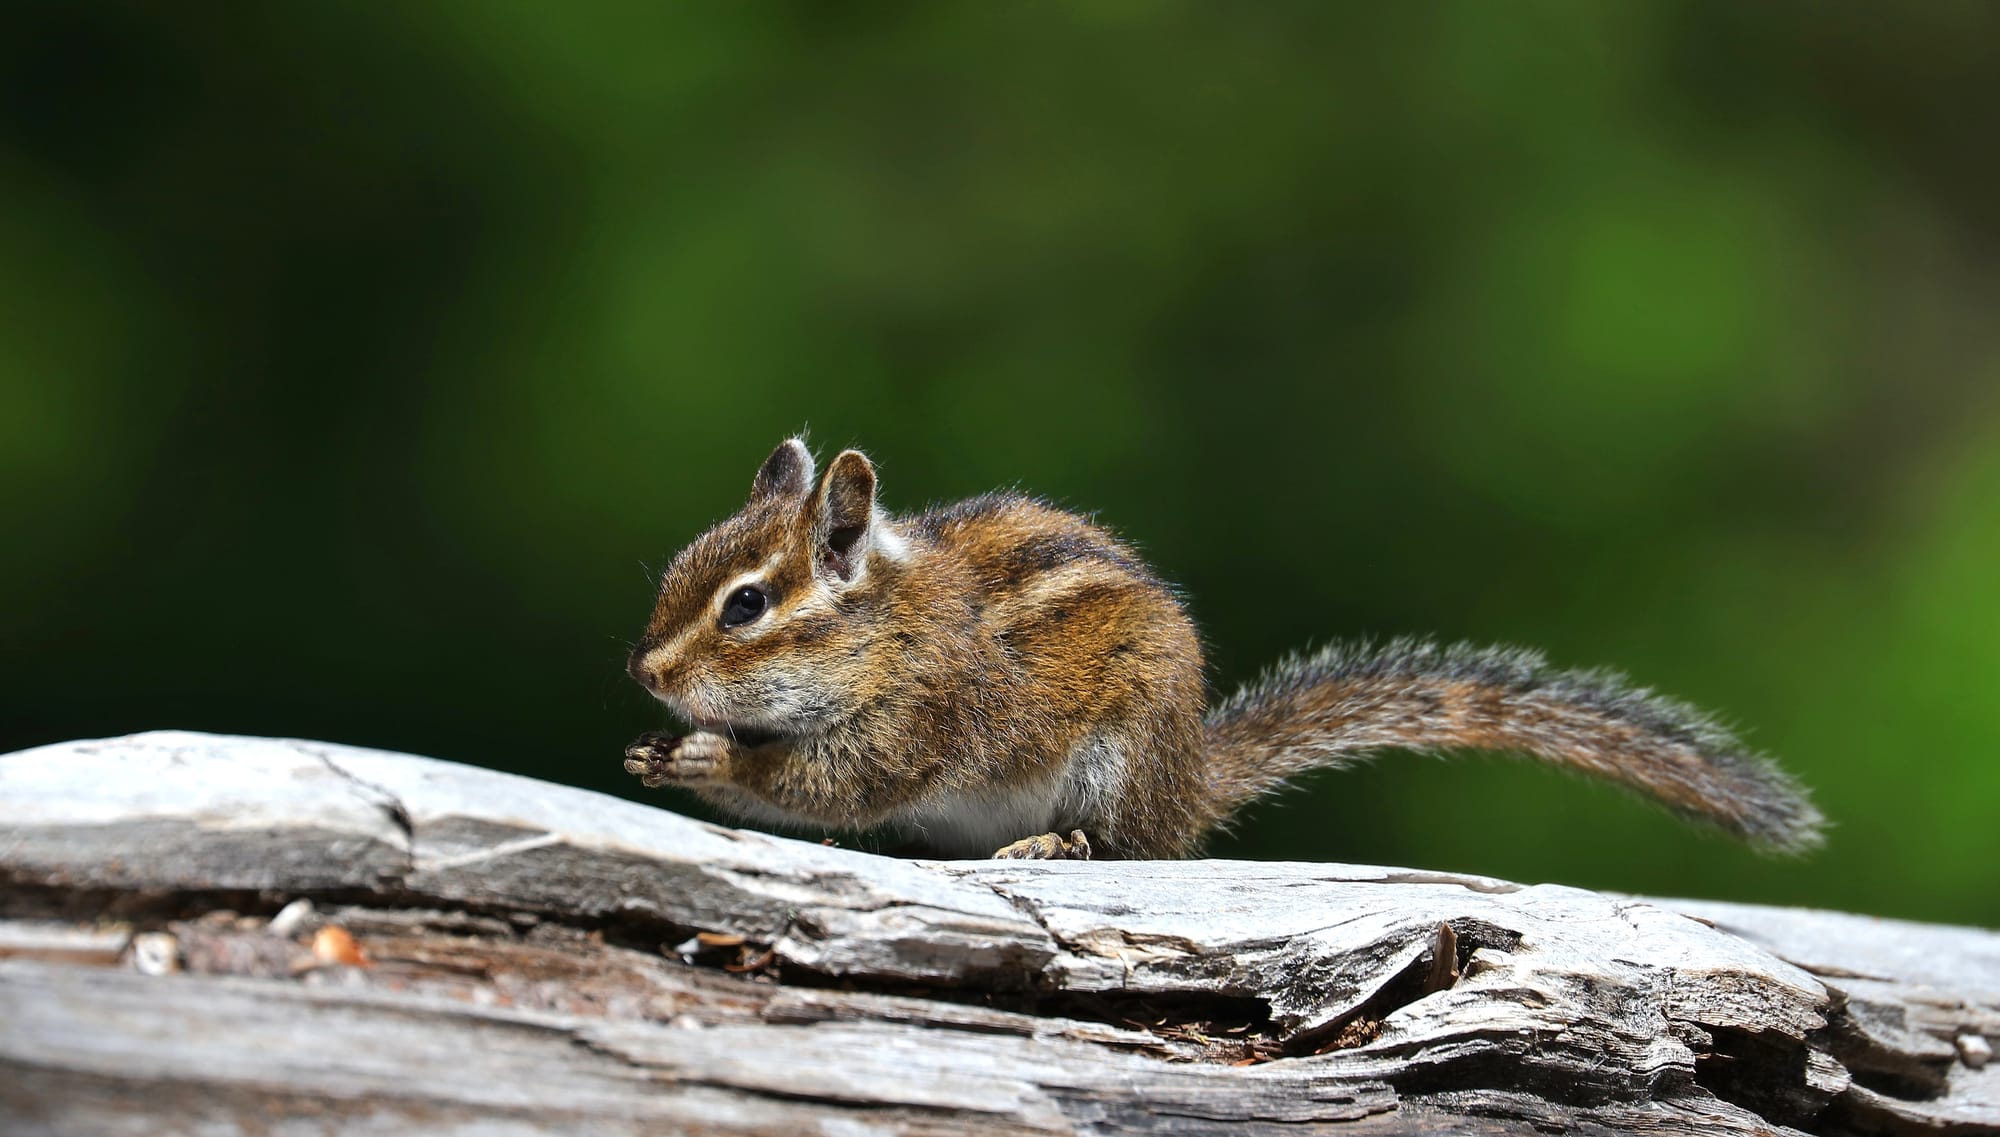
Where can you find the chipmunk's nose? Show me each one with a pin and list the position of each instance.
(644, 667)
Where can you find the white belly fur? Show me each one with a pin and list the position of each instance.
(974, 823)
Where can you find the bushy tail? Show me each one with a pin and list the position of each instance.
(1338, 705)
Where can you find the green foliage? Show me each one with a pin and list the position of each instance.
(357, 358)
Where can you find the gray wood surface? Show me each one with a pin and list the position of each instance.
(180, 917)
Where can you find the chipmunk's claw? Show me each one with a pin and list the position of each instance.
(658, 758)
(1048, 847)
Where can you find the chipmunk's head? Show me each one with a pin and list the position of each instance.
(761, 619)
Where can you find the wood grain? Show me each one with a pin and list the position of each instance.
(539, 959)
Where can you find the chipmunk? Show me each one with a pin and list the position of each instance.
(995, 674)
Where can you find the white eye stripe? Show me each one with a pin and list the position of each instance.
(816, 598)
(757, 576)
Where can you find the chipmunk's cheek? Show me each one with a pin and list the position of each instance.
(793, 697)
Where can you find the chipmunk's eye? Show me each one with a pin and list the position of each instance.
(744, 605)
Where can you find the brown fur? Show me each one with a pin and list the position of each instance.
(1348, 701)
(1000, 668)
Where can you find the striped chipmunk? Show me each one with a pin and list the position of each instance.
(1003, 675)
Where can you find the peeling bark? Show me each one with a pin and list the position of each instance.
(477, 952)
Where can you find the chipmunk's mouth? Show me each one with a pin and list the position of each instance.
(752, 727)
(749, 734)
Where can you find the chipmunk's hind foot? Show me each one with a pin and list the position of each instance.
(1048, 847)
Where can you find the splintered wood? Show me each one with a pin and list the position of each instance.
(261, 936)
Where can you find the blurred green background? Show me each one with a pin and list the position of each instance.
(356, 360)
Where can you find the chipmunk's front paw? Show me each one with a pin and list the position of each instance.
(1048, 847)
(660, 759)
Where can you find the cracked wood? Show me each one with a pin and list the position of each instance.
(545, 959)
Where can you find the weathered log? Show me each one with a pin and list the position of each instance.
(483, 953)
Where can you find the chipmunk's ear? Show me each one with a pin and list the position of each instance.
(788, 472)
(846, 527)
